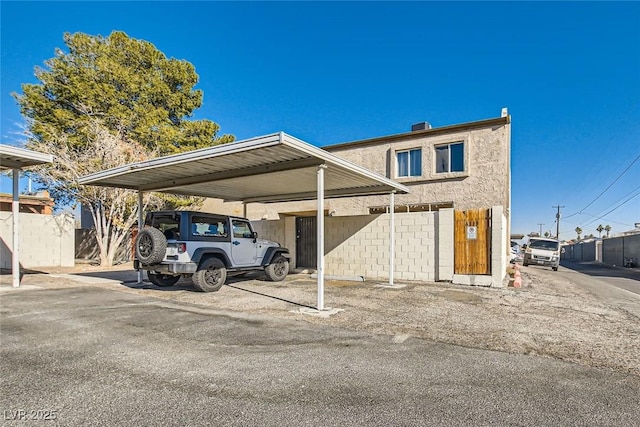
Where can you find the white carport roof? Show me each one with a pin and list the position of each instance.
(271, 168)
(16, 159)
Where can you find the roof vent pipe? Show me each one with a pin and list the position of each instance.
(420, 126)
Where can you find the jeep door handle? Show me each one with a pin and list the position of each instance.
(235, 242)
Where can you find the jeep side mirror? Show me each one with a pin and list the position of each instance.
(255, 236)
(562, 250)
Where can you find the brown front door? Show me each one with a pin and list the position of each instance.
(472, 240)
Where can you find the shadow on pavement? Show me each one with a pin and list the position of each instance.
(601, 270)
(270, 296)
(23, 271)
(129, 278)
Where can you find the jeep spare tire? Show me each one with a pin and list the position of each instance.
(151, 246)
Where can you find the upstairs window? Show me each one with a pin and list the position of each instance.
(409, 163)
(450, 158)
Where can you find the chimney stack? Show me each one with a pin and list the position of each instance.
(420, 126)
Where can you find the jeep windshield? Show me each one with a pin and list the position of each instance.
(549, 245)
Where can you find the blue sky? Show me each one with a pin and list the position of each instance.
(331, 72)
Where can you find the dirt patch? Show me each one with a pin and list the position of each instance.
(550, 316)
(460, 296)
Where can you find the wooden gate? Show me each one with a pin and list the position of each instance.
(306, 241)
(472, 237)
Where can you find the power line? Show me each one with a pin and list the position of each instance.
(606, 189)
(637, 191)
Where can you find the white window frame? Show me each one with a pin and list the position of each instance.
(448, 145)
(409, 156)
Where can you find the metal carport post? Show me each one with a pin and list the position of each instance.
(140, 224)
(320, 238)
(15, 159)
(392, 236)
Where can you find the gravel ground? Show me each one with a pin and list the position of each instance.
(549, 316)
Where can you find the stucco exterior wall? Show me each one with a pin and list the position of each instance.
(484, 183)
(45, 240)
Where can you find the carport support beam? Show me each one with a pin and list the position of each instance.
(140, 225)
(320, 237)
(392, 236)
(15, 208)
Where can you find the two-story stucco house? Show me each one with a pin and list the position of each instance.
(459, 168)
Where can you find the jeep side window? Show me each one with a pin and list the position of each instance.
(206, 226)
(241, 229)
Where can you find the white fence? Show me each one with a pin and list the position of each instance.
(45, 240)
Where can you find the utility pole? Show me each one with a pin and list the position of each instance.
(540, 228)
(558, 221)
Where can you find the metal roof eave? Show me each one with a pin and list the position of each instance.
(137, 176)
(18, 158)
(101, 178)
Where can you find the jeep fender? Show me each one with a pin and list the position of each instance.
(272, 252)
(201, 254)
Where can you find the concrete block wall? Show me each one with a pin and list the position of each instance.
(444, 223)
(358, 246)
(499, 246)
(45, 240)
(270, 230)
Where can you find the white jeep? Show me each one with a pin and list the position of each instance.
(205, 247)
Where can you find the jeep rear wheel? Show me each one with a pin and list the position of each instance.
(162, 280)
(151, 246)
(210, 276)
(278, 269)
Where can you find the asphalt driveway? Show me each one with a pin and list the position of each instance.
(96, 355)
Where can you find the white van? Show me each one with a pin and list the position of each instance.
(541, 251)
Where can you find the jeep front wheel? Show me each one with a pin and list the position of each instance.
(210, 276)
(162, 280)
(151, 246)
(278, 269)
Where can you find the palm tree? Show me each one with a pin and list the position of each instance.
(599, 230)
(607, 229)
(579, 232)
